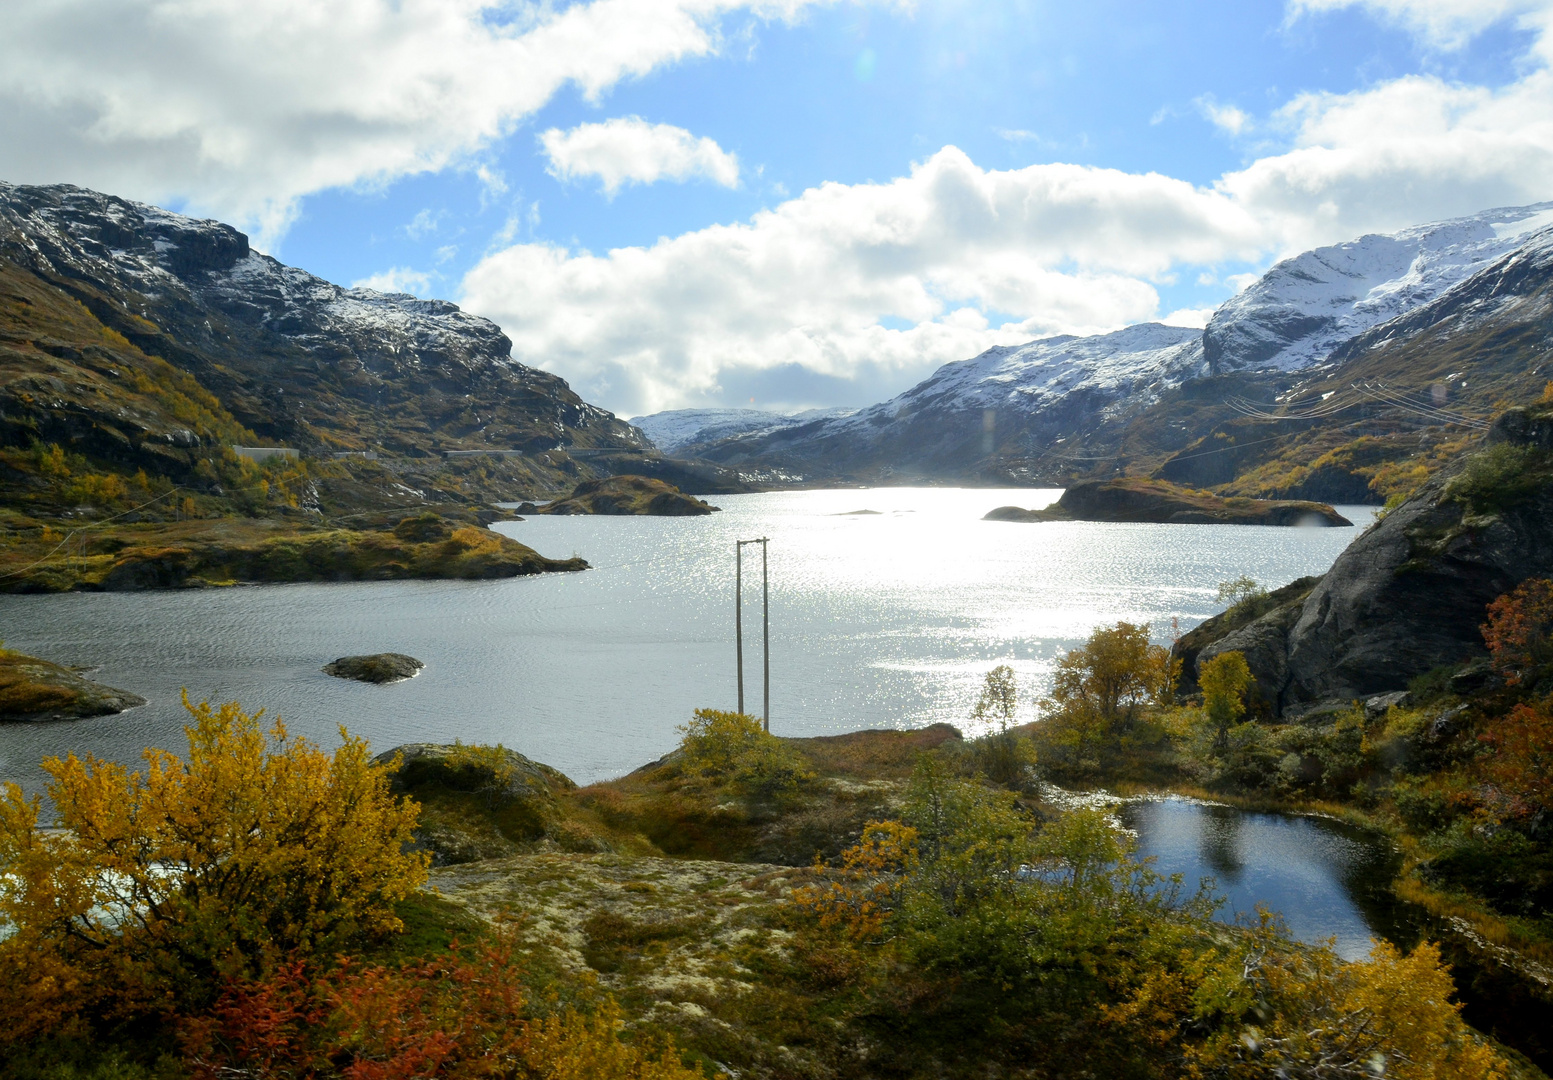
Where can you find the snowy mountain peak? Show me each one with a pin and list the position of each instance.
(1304, 307)
(1027, 377)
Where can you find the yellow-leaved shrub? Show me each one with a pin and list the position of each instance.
(156, 885)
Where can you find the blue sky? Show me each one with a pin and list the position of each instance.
(811, 204)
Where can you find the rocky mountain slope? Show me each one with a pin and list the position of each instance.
(1062, 408)
(109, 305)
(1022, 396)
(1409, 595)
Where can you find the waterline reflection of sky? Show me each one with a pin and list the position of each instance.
(884, 620)
(1305, 869)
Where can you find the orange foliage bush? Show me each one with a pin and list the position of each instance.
(1519, 630)
(454, 1017)
(1521, 767)
(874, 870)
(155, 885)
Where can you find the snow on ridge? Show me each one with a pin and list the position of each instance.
(1303, 308)
(1031, 376)
(677, 428)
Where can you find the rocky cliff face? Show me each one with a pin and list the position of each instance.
(293, 358)
(1409, 595)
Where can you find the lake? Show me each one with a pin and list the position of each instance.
(884, 619)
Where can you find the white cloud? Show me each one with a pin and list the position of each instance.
(799, 292)
(397, 279)
(241, 107)
(1412, 150)
(805, 284)
(1228, 118)
(1194, 317)
(627, 150)
(1444, 24)
(424, 224)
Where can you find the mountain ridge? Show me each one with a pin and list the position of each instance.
(1080, 408)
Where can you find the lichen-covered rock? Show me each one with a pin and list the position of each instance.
(32, 689)
(482, 802)
(377, 668)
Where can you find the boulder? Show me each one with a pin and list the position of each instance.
(377, 668)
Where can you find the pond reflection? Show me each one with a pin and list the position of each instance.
(1326, 879)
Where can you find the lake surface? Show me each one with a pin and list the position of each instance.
(889, 619)
(1326, 879)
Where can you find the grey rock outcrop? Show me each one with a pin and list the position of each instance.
(1409, 595)
(377, 668)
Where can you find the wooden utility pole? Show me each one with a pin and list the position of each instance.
(765, 622)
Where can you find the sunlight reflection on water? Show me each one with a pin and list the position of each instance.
(886, 620)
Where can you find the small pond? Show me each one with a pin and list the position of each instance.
(1326, 879)
(1331, 881)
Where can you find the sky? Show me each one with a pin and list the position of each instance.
(787, 204)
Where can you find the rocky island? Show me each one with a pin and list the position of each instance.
(1158, 502)
(624, 495)
(32, 690)
(376, 668)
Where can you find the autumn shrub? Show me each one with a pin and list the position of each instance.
(1519, 769)
(1240, 594)
(1000, 754)
(734, 749)
(1519, 632)
(1102, 691)
(156, 885)
(457, 1016)
(1275, 1009)
(1224, 680)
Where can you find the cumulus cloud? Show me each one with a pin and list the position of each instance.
(241, 107)
(876, 284)
(629, 150)
(1228, 118)
(1444, 24)
(804, 285)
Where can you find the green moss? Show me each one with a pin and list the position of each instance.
(431, 925)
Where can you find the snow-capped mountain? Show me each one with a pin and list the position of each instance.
(1031, 377)
(1021, 403)
(681, 430)
(1304, 307)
